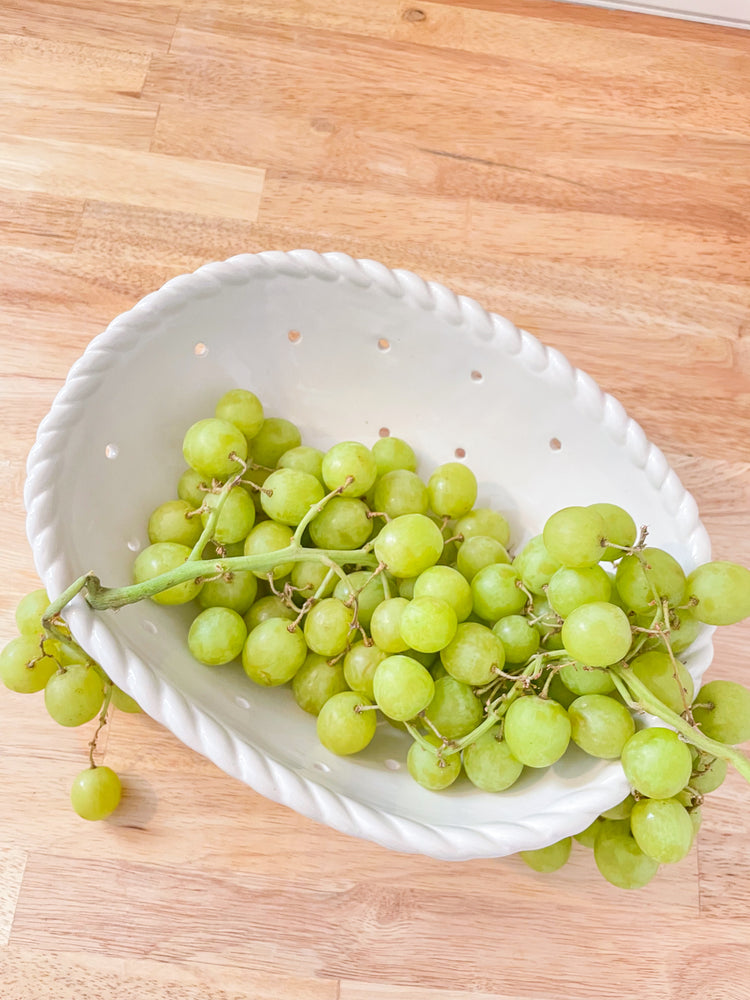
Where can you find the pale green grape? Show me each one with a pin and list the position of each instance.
(708, 773)
(208, 445)
(96, 793)
(327, 627)
(74, 696)
(574, 536)
(122, 701)
(304, 459)
(454, 710)
(670, 682)
(267, 607)
(360, 664)
(536, 565)
(385, 625)
(657, 763)
(619, 528)
(349, 458)
(447, 584)
(409, 544)
(243, 409)
(236, 517)
(430, 770)
(217, 636)
(485, 522)
(473, 655)
(722, 710)
(170, 523)
(274, 438)
(619, 858)
(560, 693)
(477, 552)
(722, 590)
(586, 680)
(489, 763)
(428, 624)
(292, 494)
(392, 453)
(684, 629)
(342, 524)
(652, 574)
(266, 537)
(369, 591)
(520, 639)
(600, 725)
(622, 810)
(496, 592)
(161, 558)
(548, 859)
(402, 687)
(662, 828)
(588, 835)
(236, 590)
(452, 490)
(29, 612)
(570, 588)
(342, 727)
(23, 668)
(316, 681)
(272, 654)
(308, 576)
(192, 487)
(597, 634)
(537, 730)
(400, 492)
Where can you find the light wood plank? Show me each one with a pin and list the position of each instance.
(12, 867)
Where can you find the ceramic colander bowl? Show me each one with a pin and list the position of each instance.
(346, 349)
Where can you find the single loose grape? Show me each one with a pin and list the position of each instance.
(316, 681)
(272, 654)
(496, 592)
(486, 522)
(477, 552)
(454, 710)
(74, 696)
(447, 584)
(452, 490)
(651, 574)
(327, 626)
(428, 624)
(619, 528)
(430, 770)
(243, 409)
(665, 677)
(304, 459)
(393, 453)
(343, 523)
(597, 634)
(274, 438)
(722, 711)
(489, 763)
(29, 612)
(400, 492)
(268, 537)
(575, 536)
(409, 544)
(23, 668)
(537, 730)
(288, 495)
(548, 859)
(216, 636)
(96, 793)
(214, 448)
(662, 828)
(360, 664)
(474, 654)
(657, 763)
(722, 590)
(161, 558)
(519, 638)
(346, 723)
(402, 687)
(236, 517)
(349, 459)
(169, 522)
(600, 725)
(570, 588)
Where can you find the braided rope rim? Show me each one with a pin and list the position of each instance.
(197, 728)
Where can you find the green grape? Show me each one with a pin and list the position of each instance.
(316, 681)
(369, 591)
(343, 727)
(288, 495)
(450, 545)
(657, 763)
(622, 810)
(600, 726)
(588, 835)
(536, 565)
(343, 523)
(496, 592)
(452, 490)
(266, 537)
(586, 680)
(574, 536)
(570, 588)
(385, 625)
(473, 655)
(489, 763)
(454, 710)
(208, 445)
(308, 576)
(304, 459)
(30, 610)
(403, 687)
(619, 858)
(236, 517)
(74, 696)
(236, 589)
(243, 409)
(170, 523)
(668, 680)
(274, 438)
(684, 629)
(217, 636)
(597, 634)
(428, 624)
(392, 453)
(96, 793)
(23, 668)
(520, 639)
(272, 654)
(560, 693)
(400, 492)
(643, 577)
(537, 730)
(430, 770)
(548, 859)
(360, 664)
(722, 590)
(409, 544)
(477, 552)
(161, 558)
(327, 627)
(485, 522)
(722, 711)
(349, 458)
(662, 828)
(267, 607)
(708, 772)
(192, 487)
(447, 584)
(122, 701)
(619, 528)
(406, 587)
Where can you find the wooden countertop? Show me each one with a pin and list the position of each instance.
(585, 173)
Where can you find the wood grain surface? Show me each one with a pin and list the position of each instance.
(585, 173)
